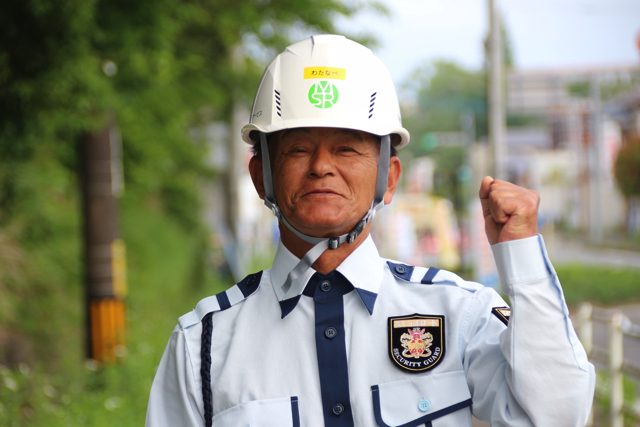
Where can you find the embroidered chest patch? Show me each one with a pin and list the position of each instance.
(416, 342)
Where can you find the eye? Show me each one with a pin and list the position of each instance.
(346, 148)
(297, 149)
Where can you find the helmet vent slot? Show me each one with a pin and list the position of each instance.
(277, 95)
(372, 102)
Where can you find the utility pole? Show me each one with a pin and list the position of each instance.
(596, 157)
(105, 280)
(497, 123)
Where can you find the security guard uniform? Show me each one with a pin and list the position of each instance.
(377, 342)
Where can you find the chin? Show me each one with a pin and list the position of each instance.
(323, 220)
(323, 227)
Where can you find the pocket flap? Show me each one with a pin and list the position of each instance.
(280, 412)
(418, 400)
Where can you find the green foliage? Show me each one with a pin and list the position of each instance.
(618, 87)
(160, 68)
(602, 401)
(609, 89)
(44, 273)
(507, 47)
(627, 168)
(580, 89)
(446, 180)
(522, 120)
(599, 285)
(161, 268)
(444, 92)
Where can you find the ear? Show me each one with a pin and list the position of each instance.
(395, 169)
(255, 170)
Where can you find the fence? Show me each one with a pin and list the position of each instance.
(613, 357)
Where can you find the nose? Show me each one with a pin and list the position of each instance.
(321, 163)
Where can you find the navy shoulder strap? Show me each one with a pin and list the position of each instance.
(205, 367)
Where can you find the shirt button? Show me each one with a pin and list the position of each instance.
(424, 405)
(401, 269)
(338, 409)
(330, 332)
(325, 286)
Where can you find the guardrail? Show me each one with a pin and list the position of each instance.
(613, 357)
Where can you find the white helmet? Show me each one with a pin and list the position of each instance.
(326, 81)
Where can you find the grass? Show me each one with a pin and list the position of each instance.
(598, 285)
(602, 399)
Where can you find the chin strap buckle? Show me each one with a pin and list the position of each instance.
(353, 234)
(334, 243)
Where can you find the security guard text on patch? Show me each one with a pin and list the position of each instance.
(416, 342)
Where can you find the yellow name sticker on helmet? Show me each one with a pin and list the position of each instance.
(325, 73)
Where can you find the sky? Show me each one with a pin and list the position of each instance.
(545, 34)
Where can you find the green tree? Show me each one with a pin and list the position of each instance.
(445, 91)
(160, 67)
(448, 95)
(627, 168)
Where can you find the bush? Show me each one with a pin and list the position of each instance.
(66, 391)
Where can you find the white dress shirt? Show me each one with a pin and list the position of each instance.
(323, 355)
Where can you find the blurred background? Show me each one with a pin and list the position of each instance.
(124, 195)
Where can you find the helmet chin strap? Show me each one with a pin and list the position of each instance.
(322, 244)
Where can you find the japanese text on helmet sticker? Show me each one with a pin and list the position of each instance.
(325, 73)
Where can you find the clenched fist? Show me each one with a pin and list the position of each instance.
(510, 212)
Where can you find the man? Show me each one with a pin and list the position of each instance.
(333, 335)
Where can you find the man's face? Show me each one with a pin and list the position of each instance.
(324, 178)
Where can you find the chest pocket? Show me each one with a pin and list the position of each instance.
(282, 412)
(434, 400)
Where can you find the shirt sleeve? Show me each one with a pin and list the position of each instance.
(534, 371)
(174, 396)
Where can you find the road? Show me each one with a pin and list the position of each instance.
(569, 251)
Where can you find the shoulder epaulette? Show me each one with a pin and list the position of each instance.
(430, 276)
(222, 301)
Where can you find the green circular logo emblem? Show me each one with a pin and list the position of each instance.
(323, 95)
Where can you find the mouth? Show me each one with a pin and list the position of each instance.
(321, 192)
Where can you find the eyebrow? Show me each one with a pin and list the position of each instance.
(288, 131)
(349, 132)
(337, 132)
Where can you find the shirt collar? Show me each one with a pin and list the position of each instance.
(363, 268)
